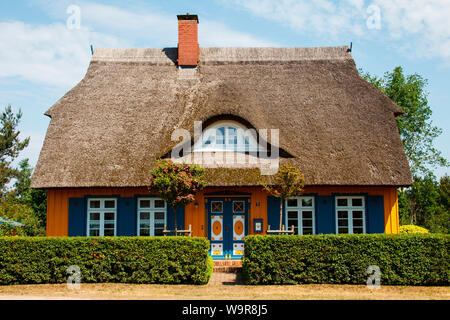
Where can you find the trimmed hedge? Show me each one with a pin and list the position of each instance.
(408, 259)
(165, 260)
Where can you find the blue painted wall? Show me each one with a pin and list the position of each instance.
(325, 216)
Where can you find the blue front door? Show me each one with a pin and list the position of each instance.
(227, 226)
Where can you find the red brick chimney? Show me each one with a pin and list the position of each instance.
(188, 48)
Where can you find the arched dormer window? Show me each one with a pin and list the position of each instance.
(227, 136)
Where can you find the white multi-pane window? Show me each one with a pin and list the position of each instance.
(350, 215)
(152, 216)
(300, 214)
(101, 217)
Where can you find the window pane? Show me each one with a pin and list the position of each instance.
(159, 203)
(94, 226)
(292, 223)
(109, 233)
(307, 231)
(307, 223)
(144, 203)
(358, 223)
(292, 203)
(144, 225)
(357, 214)
(94, 233)
(238, 206)
(110, 204)
(342, 214)
(109, 226)
(357, 202)
(94, 216)
(216, 206)
(342, 202)
(292, 215)
(144, 232)
(109, 215)
(158, 232)
(307, 214)
(232, 136)
(357, 230)
(342, 223)
(159, 215)
(220, 135)
(159, 226)
(307, 202)
(145, 216)
(343, 230)
(94, 204)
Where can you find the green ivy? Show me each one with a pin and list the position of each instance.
(407, 259)
(163, 260)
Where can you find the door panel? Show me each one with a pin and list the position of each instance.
(227, 224)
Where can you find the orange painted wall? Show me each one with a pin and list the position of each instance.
(58, 205)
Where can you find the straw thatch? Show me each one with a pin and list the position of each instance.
(337, 128)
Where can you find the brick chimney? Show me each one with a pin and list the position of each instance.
(188, 48)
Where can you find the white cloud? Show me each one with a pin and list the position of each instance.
(48, 54)
(57, 56)
(413, 26)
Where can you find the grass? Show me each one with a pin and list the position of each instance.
(218, 291)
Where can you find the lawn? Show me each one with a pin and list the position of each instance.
(220, 291)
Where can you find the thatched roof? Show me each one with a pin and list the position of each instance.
(337, 128)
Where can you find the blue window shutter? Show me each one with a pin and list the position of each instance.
(126, 217)
(325, 216)
(273, 213)
(375, 214)
(77, 217)
(180, 218)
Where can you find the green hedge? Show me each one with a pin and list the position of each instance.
(409, 259)
(174, 260)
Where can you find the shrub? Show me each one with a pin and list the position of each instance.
(408, 259)
(412, 229)
(174, 260)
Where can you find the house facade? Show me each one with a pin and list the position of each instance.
(239, 112)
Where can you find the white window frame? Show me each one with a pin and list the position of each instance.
(350, 209)
(242, 136)
(300, 209)
(102, 210)
(152, 210)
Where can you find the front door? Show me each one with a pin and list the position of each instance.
(227, 226)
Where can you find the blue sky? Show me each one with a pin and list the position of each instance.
(41, 58)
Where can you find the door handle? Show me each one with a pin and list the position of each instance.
(228, 229)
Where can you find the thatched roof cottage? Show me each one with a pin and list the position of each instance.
(106, 133)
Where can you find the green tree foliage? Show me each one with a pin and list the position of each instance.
(10, 146)
(426, 204)
(415, 126)
(176, 183)
(286, 183)
(17, 201)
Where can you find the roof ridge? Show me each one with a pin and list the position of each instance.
(223, 54)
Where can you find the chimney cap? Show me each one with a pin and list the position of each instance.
(187, 17)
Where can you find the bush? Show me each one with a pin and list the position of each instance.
(409, 259)
(165, 260)
(412, 229)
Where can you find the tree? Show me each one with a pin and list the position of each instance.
(415, 126)
(286, 183)
(175, 183)
(10, 146)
